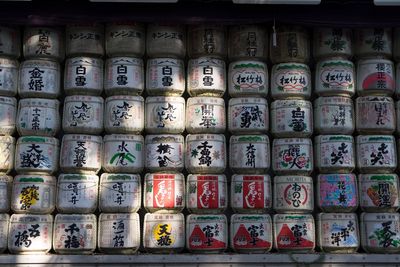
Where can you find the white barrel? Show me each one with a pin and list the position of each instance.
(125, 39)
(123, 153)
(291, 118)
(294, 232)
(249, 154)
(34, 194)
(293, 194)
(251, 193)
(251, 233)
(124, 114)
(290, 43)
(375, 115)
(292, 156)
(164, 233)
(338, 232)
(376, 153)
(38, 116)
(165, 114)
(7, 153)
(207, 40)
(205, 153)
(119, 233)
(375, 76)
(164, 153)
(164, 192)
(85, 39)
(10, 44)
(9, 70)
(39, 78)
(397, 82)
(77, 193)
(83, 75)
(206, 233)
(120, 192)
(163, 40)
(248, 78)
(83, 114)
(334, 115)
(81, 153)
(75, 233)
(165, 76)
(248, 115)
(291, 80)
(124, 76)
(206, 76)
(373, 42)
(4, 223)
(43, 42)
(37, 154)
(379, 192)
(334, 153)
(329, 42)
(337, 192)
(336, 77)
(248, 41)
(205, 115)
(8, 111)
(5, 192)
(380, 232)
(206, 193)
(30, 233)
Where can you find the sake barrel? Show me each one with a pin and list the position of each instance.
(332, 41)
(251, 193)
(119, 233)
(37, 154)
(164, 233)
(123, 153)
(10, 45)
(206, 233)
(81, 153)
(207, 40)
(251, 233)
(8, 109)
(30, 233)
(38, 116)
(77, 193)
(34, 194)
(5, 190)
(294, 232)
(8, 75)
(4, 223)
(85, 39)
(124, 76)
(166, 40)
(39, 78)
(120, 192)
(338, 232)
(7, 153)
(123, 38)
(373, 42)
(75, 233)
(337, 192)
(44, 42)
(206, 193)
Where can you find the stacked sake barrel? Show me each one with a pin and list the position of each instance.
(206, 154)
(376, 146)
(75, 225)
(248, 121)
(37, 149)
(9, 53)
(335, 157)
(123, 152)
(292, 151)
(164, 183)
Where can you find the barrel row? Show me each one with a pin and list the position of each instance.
(286, 43)
(166, 233)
